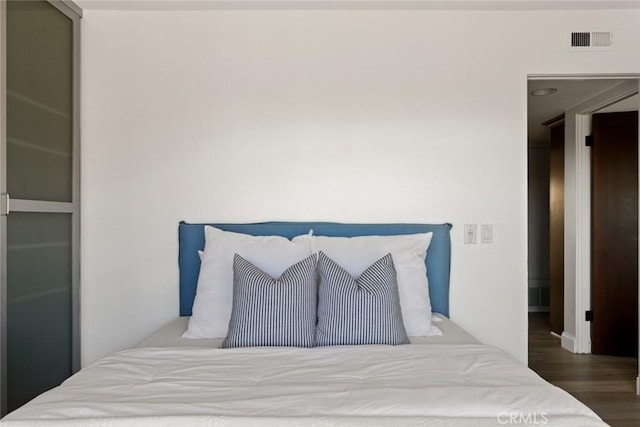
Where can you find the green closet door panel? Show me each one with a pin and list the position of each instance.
(42, 260)
(39, 102)
(39, 283)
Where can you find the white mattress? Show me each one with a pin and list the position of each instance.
(445, 384)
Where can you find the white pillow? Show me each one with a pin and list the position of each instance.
(409, 251)
(214, 295)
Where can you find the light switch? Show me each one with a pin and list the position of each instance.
(470, 232)
(486, 233)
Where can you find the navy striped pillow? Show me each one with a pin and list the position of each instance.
(362, 311)
(273, 312)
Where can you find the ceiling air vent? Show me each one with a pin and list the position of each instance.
(584, 39)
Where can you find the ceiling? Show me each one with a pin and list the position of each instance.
(570, 93)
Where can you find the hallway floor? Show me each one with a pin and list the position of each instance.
(604, 383)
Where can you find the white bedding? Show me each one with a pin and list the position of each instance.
(416, 384)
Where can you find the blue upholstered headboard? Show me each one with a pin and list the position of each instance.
(191, 240)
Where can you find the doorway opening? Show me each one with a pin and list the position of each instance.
(560, 112)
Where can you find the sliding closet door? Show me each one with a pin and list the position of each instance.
(40, 223)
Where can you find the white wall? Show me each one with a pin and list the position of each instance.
(345, 116)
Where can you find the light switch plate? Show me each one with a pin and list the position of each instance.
(486, 233)
(470, 234)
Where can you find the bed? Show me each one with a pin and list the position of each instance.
(446, 378)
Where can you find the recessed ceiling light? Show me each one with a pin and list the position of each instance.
(544, 92)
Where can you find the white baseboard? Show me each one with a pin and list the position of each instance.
(568, 342)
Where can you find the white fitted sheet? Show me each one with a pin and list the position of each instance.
(416, 384)
(170, 335)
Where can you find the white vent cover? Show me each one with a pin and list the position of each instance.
(586, 39)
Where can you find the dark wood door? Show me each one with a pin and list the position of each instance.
(614, 250)
(556, 229)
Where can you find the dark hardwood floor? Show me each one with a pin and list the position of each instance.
(606, 384)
